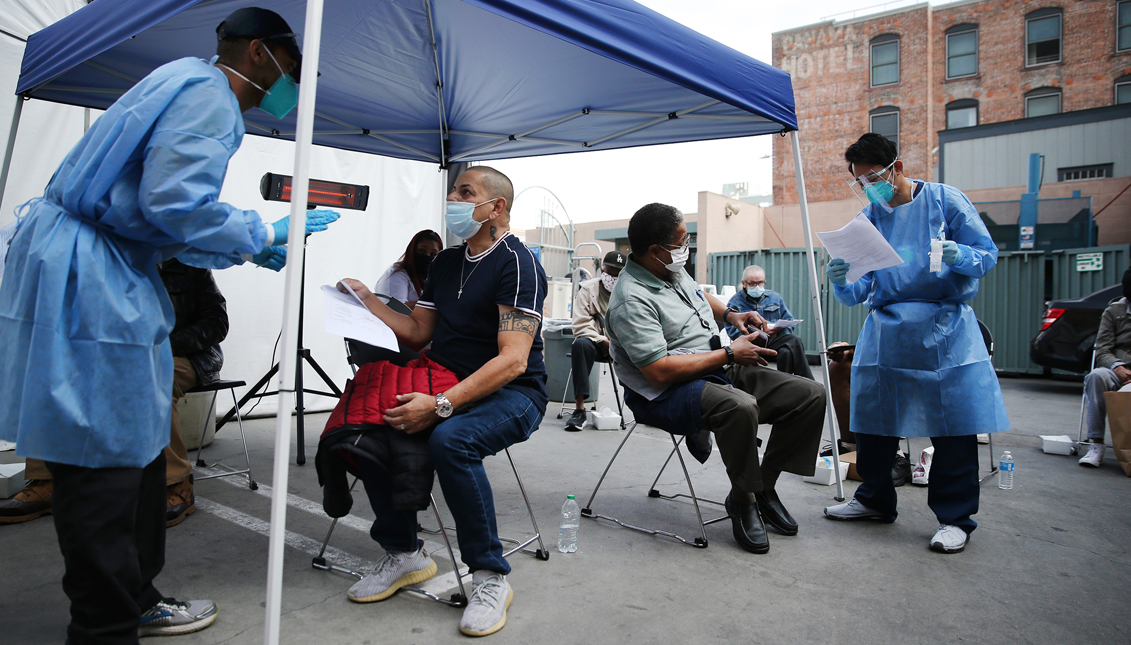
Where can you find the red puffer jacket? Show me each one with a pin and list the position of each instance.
(356, 430)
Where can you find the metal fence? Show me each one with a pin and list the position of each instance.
(1009, 302)
(1079, 272)
(1010, 298)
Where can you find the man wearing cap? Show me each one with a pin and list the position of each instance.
(589, 331)
(87, 377)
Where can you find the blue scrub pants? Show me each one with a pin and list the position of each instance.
(952, 490)
(457, 447)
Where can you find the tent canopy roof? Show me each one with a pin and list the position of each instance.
(493, 78)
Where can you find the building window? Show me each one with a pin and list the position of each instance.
(962, 50)
(1123, 89)
(1123, 26)
(885, 60)
(1098, 171)
(885, 121)
(1042, 102)
(961, 114)
(1042, 37)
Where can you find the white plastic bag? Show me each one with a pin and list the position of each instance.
(921, 472)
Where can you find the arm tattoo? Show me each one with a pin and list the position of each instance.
(517, 320)
(494, 229)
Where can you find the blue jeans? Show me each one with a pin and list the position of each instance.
(457, 447)
(952, 489)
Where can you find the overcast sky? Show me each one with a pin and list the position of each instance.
(613, 184)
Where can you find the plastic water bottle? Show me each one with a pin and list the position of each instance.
(567, 531)
(1005, 472)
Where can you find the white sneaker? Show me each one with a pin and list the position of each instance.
(852, 511)
(949, 539)
(1095, 456)
(393, 571)
(486, 611)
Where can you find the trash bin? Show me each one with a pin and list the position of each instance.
(557, 336)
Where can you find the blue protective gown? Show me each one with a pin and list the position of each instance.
(86, 374)
(921, 367)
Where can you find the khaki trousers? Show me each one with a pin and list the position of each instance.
(794, 405)
(177, 466)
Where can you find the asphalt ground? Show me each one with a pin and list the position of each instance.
(1045, 565)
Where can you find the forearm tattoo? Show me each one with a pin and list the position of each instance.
(517, 320)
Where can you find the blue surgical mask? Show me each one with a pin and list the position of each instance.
(283, 95)
(460, 218)
(755, 292)
(280, 99)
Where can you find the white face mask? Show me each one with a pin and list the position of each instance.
(756, 292)
(679, 257)
(608, 281)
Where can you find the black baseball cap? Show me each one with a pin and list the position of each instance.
(266, 25)
(614, 259)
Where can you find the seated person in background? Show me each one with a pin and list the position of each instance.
(202, 323)
(1113, 356)
(480, 309)
(754, 296)
(589, 341)
(404, 280)
(678, 377)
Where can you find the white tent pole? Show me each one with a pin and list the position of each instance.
(288, 357)
(10, 148)
(815, 291)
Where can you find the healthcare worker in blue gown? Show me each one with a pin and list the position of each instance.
(86, 376)
(921, 367)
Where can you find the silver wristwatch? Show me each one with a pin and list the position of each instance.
(443, 406)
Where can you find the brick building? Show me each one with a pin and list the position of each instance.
(912, 72)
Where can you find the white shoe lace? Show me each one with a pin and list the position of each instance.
(489, 592)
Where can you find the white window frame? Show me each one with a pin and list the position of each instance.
(898, 61)
(976, 43)
(1060, 49)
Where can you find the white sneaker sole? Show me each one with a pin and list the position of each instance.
(411, 578)
(497, 626)
(177, 630)
(939, 547)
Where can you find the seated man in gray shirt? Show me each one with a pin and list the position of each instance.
(679, 378)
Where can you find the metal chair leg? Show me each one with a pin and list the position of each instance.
(456, 600)
(993, 462)
(204, 431)
(699, 542)
(200, 463)
(616, 395)
(565, 403)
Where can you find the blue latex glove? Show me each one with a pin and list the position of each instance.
(316, 220)
(271, 257)
(837, 270)
(951, 253)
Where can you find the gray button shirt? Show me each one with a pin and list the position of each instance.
(649, 318)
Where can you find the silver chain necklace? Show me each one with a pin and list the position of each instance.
(462, 281)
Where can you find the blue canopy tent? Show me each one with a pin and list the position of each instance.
(440, 81)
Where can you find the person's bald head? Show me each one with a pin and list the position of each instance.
(495, 184)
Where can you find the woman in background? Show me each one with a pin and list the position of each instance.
(404, 280)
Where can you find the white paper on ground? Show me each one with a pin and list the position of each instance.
(7, 445)
(860, 245)
(346, 316)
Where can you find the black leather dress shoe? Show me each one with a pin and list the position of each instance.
(749, 531)
(774, 512)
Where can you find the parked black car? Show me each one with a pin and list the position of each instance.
(1068, 331)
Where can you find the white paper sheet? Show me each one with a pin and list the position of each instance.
(784, 324)
(347, 316)
(860, 245)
